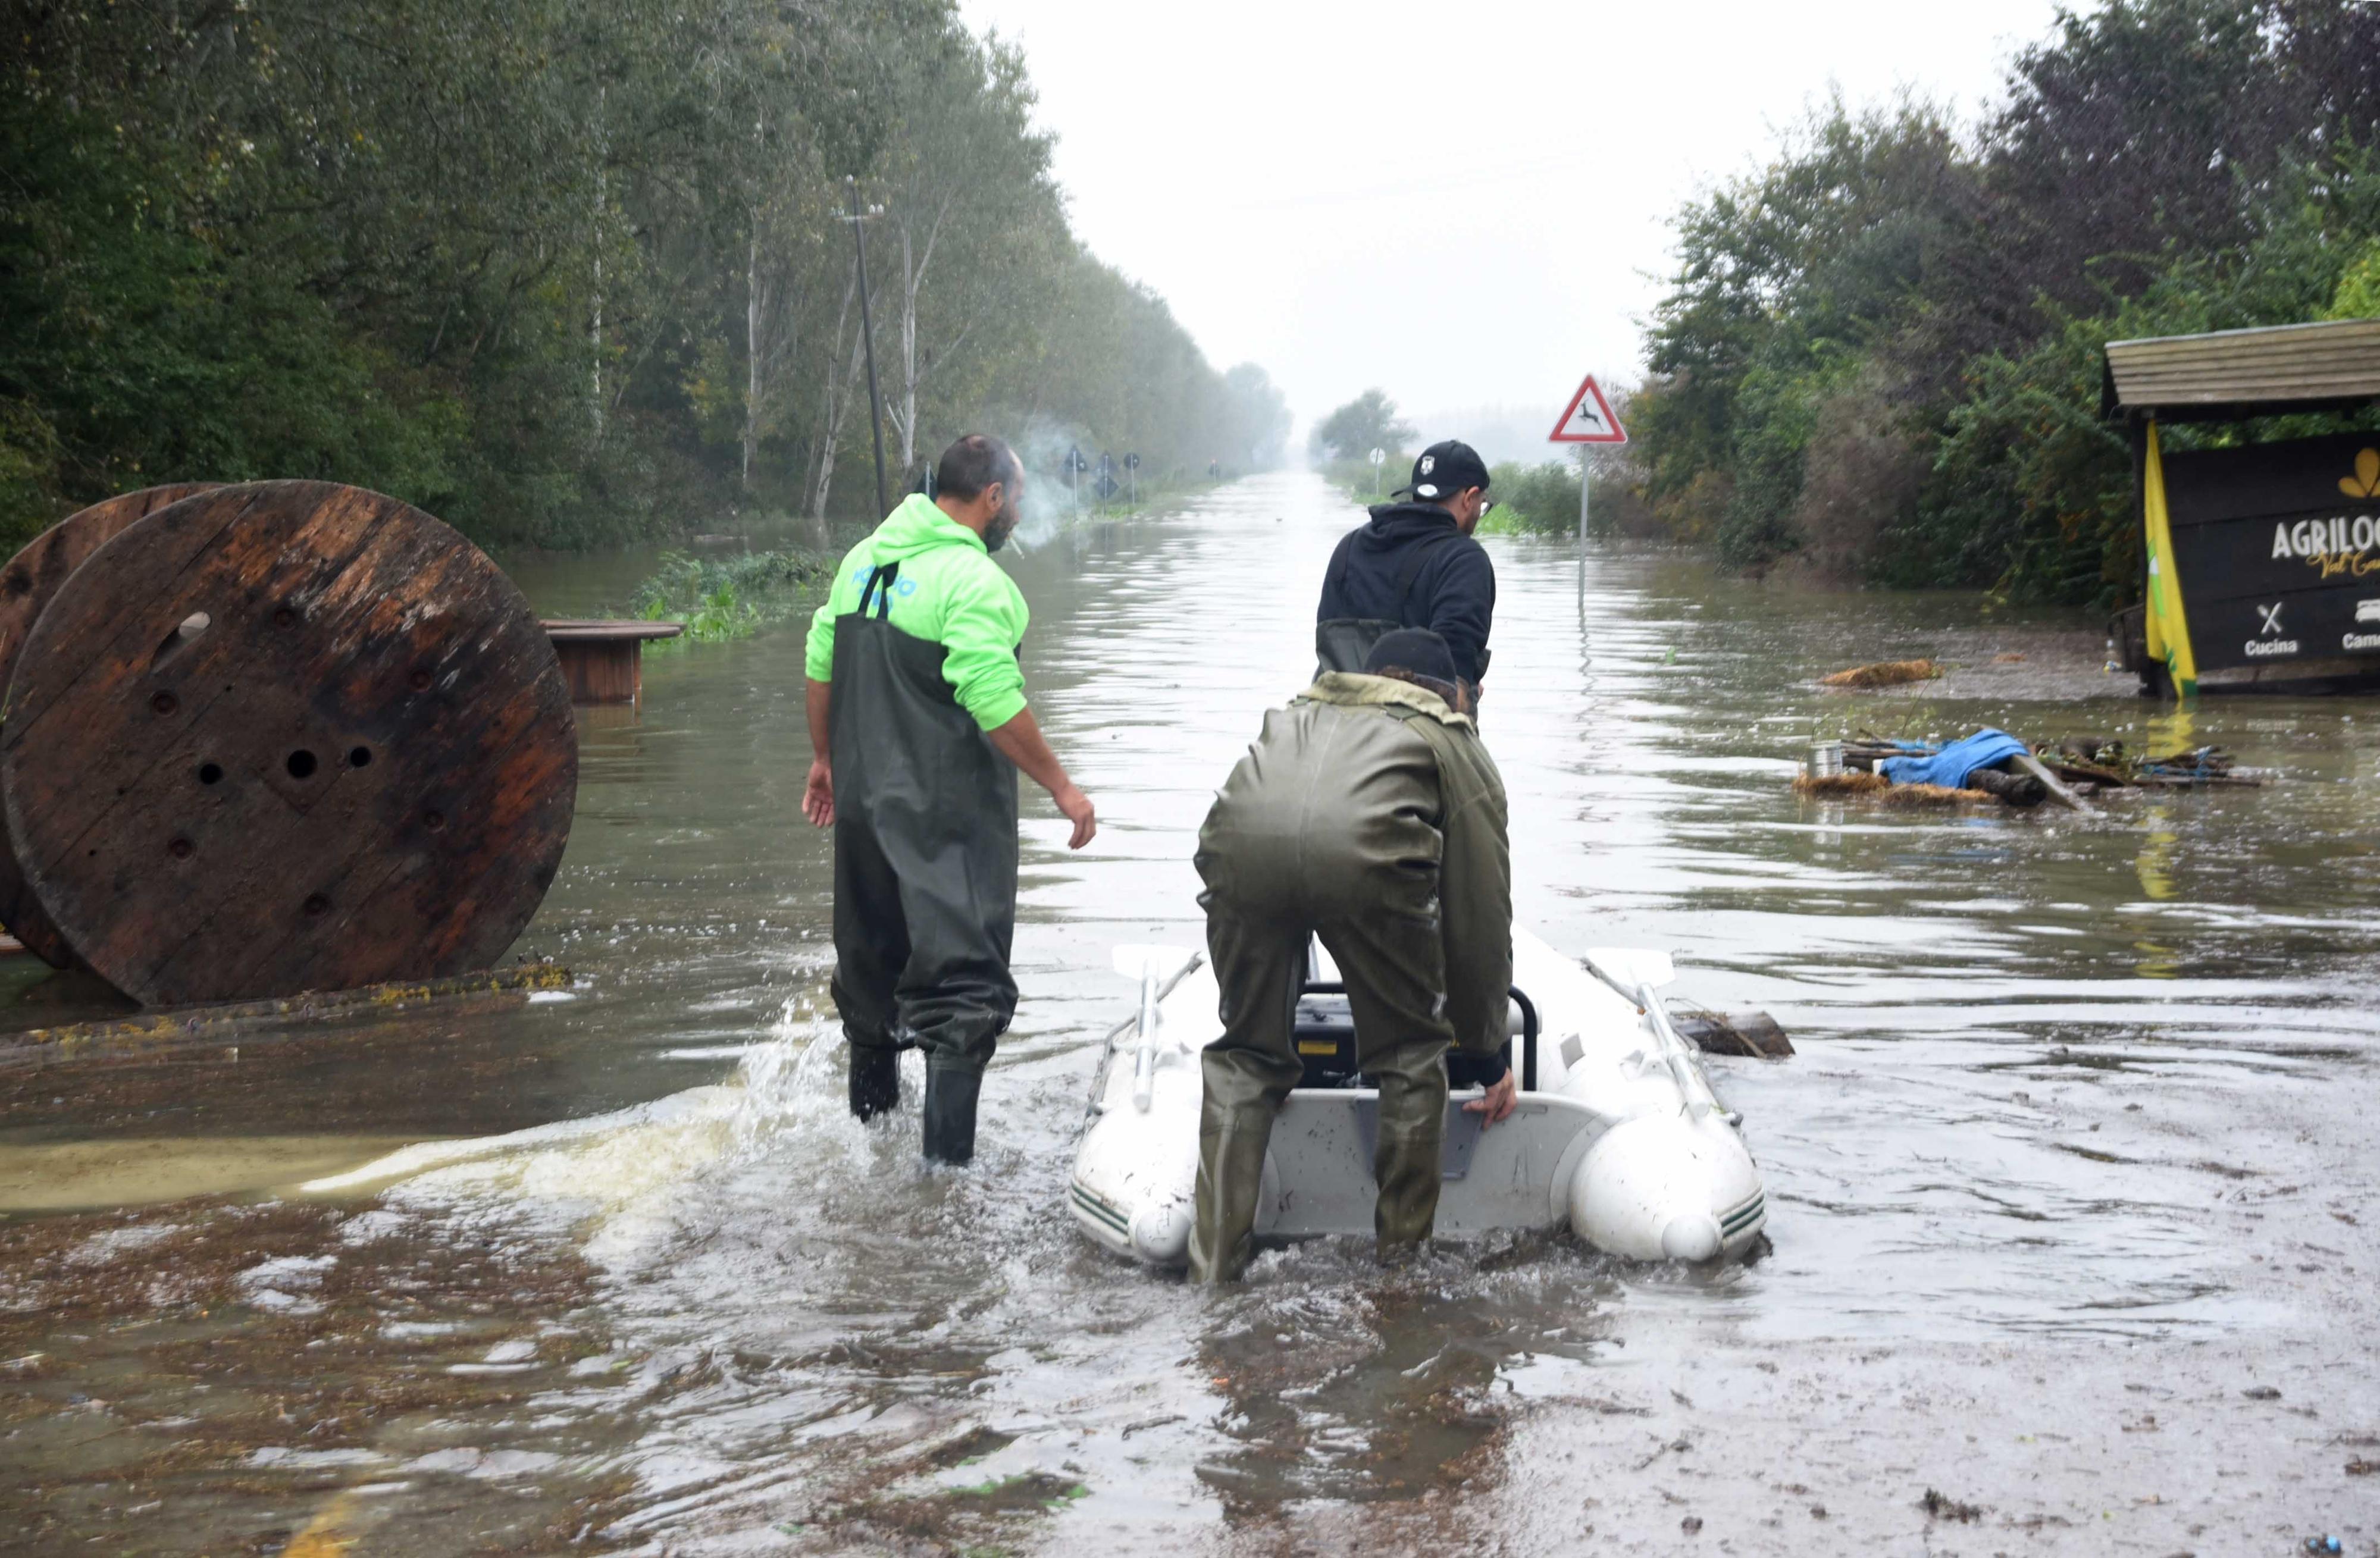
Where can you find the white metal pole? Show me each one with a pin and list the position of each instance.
(1585, 465)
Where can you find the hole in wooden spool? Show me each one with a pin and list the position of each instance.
(421, 681)
(164, 703)
(210, 773)
(301, 764)
(180, 849)
(359, 757)
(188, 629)
(317, 905)
(434, 820)
(283, 616)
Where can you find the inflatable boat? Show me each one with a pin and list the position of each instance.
(1617, 1134)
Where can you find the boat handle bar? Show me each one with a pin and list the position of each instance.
(1528, 1025)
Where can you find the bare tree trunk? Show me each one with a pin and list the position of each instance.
(754, 378)
(838, 405)
(906, 419)
(595, 319)
(914, 262)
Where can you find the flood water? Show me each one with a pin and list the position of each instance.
(2071, 1183)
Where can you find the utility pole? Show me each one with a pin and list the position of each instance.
(868, 336)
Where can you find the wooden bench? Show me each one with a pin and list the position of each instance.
(605, 660)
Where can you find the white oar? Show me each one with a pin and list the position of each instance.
(1634, 974)
(1150, 965)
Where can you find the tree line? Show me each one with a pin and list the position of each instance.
(1879, 354)
(562, 272)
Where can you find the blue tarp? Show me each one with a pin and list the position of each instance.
(1950, 766)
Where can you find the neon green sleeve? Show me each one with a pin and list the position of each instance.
(818, 660)
(982, 625)
(817, 656)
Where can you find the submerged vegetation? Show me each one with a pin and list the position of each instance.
(734, 597)
(562, 272)
(1879, 356)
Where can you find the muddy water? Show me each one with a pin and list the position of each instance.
(2071, 1183)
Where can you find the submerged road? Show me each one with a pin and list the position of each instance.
(2071, 1185)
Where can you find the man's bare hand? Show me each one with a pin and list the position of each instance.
(1497, 1102)
(1077, 807)
(817, 794)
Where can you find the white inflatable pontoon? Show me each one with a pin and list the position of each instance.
(1617, 1134)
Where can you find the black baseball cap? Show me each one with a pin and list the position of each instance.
(1445, 469)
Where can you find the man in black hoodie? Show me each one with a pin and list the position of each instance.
(1415, 565)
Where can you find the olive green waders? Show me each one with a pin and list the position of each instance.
(1367, 814)
(925, 870)
(1390, 960)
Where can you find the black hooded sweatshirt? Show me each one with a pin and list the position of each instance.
(1454, 588)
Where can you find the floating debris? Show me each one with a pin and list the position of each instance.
(1884, 674)
(1755, 1034)
(1876, 787)
(1941, 1506)
(1993, 765)
(206, 1027)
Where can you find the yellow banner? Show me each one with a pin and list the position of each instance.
(2169, 628)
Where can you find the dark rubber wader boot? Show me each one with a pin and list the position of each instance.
(950, 1113)
(875, 1081)
(925, 867)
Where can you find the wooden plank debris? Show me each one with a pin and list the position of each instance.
(153, 1034)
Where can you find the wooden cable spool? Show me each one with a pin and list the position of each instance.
(31, 577)
(287, 736)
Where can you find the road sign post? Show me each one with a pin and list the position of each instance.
(1588, 419)
(1379, 455)
(1132, 474)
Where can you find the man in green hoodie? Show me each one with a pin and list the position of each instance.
(918, 725)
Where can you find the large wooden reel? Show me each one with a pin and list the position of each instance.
(287, 736)
(31, 577)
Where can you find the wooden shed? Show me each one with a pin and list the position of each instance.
(2262, 559)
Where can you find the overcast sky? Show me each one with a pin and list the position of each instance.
(1463, 203)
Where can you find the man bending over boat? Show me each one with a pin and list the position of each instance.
(918, 725)
(1369, 814)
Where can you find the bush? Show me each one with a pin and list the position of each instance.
(720, 598)
(1541, 500)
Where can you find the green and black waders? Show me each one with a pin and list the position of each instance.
(925, 872)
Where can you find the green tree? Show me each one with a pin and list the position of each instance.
(561, 271)
(1364, 424)
(1880, 353)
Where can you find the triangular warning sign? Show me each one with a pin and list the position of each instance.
(1588, 419)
